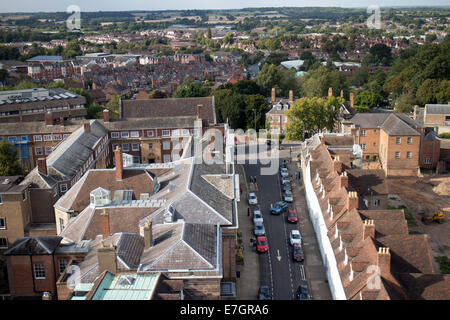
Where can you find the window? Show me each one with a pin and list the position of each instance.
(55, 191)
(3, 242)
(61, 224)
(377, 202)
(427, 160)
(166, 145)
(115, 135)
(363, 133)
(125, 134)
(38, 151)
(57, 137)
(3, 223)
(150, 145)
(37, 138)
(47, 137)
(62, 265)
(285, 119)
(363, 146)
(63, 187)
(374, 131)
(39, 271)
(167, 158)
(447, 118)
(150, 133)
(136, 159)
(374, 144)
(176, 132)
(66, 135)
(126, 147)
(409, 140)
(185, 132)
(398, 140)
(176, 145)
(12, 139)
(408, 155)
(166, 133)
(270, 119)
(397, 155)
(135, 146)
(278, 118)
(134, 134)
(48, 150)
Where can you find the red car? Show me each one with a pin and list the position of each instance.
(261, 244)
(292, 216)
(297, 253)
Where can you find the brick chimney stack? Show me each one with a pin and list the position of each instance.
(384, 261)
(119, 163)
(104, 224)
(48, 119)
(352, 200)
(343, 180)
(87, 127)
(273, 95)
(368, 228)
(352, 98)
(337, 165)
(107, 258)
(330, 92)
(42, 166)
(291, 95)
(106, 115)
(199, 111)
(61, 121)
(148, 234)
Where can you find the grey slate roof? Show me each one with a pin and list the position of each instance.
(369, 120)
(157, 122)
(394, 126)
(34, 245)
(437, 108)
(129, 248)
(203, 239)
(391, 123)
(11, 184)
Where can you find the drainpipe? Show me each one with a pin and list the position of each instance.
(32, 273)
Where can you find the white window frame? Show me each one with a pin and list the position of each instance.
(363, 133)
(398, 140)
(409, 155)
(397, 153)
(363, 146)
(63, 187)
(6, 243)
(127, 148)
(165, 144)
(125, 134)
(185, 132)
(47, 137)
(35, 269)
(427, 160)
(270, 119)
(409, 140)
(175, 133)
(285, 119)
(165, 133)
(133, 147)
(377, 202)
(4, 223)
(115, 135)
(48, 148)
(176, 145)
(57, 137)
(61, 262)
(40, 153)
(167, 157)
(150, 133)
(37, 137)
(134, 134)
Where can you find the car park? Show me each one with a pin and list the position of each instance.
(257, 217)
(302, 293)
(252, 199)
(264, 293)
(259, 229)
(261, 244)
(279, 207)
(297, 253)
(288, 196)
(295, 237)
(292, 216)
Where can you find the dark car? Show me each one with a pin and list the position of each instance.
(292, 216)
(286, 186)
(279, 207)
(297, 253)
(264, 293)
(302, 293)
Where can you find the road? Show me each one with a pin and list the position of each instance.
(277, 268)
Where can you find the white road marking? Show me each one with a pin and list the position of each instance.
(278, 255)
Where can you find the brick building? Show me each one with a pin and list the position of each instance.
(277, 116)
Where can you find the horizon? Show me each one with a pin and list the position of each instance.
(200, 5)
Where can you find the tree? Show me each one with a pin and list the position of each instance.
(113, 106)
(366, 100)
(191, 89)
(269, 77)
(404, 103)
(443, 92)
(209, 35)
(427, 92)
(9, 161)
(157, 94)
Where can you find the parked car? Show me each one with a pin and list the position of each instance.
(292, 216)
(269, 142)
(283, 166)
(264, 293)
(286, 186)
(297, 253)
(279, 207)
(302, 293)
(285, 180)
(259, 229)
(295, 237)
(257, 217)
(261, 244)
(252, 198)
(288, 196)
(284, 172)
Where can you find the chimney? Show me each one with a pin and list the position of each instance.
(352, 97)
(337, 165)
(104, 224)
(342, 93)
(352, 200)
(48, 119)
(61, 121)
(368, 229)
(46, 296)
(330, 92)
(343, 180)
(148, 234)
(291, 95)
(107, 258)
(119, 163)
(42, 166)
(273, 95)
(199, 111)
(384, 261)
(87, 127)
(105, 115)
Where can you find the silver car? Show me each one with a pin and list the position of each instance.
(288, 197)
(285, 180)
(259, 229)
(257, 217)
(284, 172)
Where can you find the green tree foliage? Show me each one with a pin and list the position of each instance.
(308, 116)
(317, 82)
(269, 77)
(379, 54)
(191, 89)
(9, 161)
(158, 94)
(365, 100)
(275, 58)
(404, 103)
(9, 53)
(309, 60)
(72, 49)
(427, 92)
(113, 106)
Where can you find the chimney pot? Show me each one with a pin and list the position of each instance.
(105, 227)
(107, 258)
(42, 166)
(87, 127)
(344, 180)
(119, 163)
(148, 234)
(105, 115)
(46, 296)
(352, 98)
(273, 95)
(352, 200)
(291, 95)
(368, 229)
(384, 261)
(48, 119)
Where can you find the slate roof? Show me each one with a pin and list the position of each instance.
(39, 127)
(360, 180)
(392, 123)
(170, 107)
(369, 120)
(34, 245)
(437, 109)
(203, 239)
(10, 184)
(182, 122)
(394, 126)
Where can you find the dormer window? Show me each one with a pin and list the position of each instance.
(100, 197)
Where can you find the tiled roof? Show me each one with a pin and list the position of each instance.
(360, 180)
(394, 126)
(10, 184)
(182, 122)
(437, 109)
(369, 120)
(425, 286)
(34, 245)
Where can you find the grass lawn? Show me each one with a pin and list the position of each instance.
(444, 264)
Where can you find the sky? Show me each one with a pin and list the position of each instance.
(128, 5)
